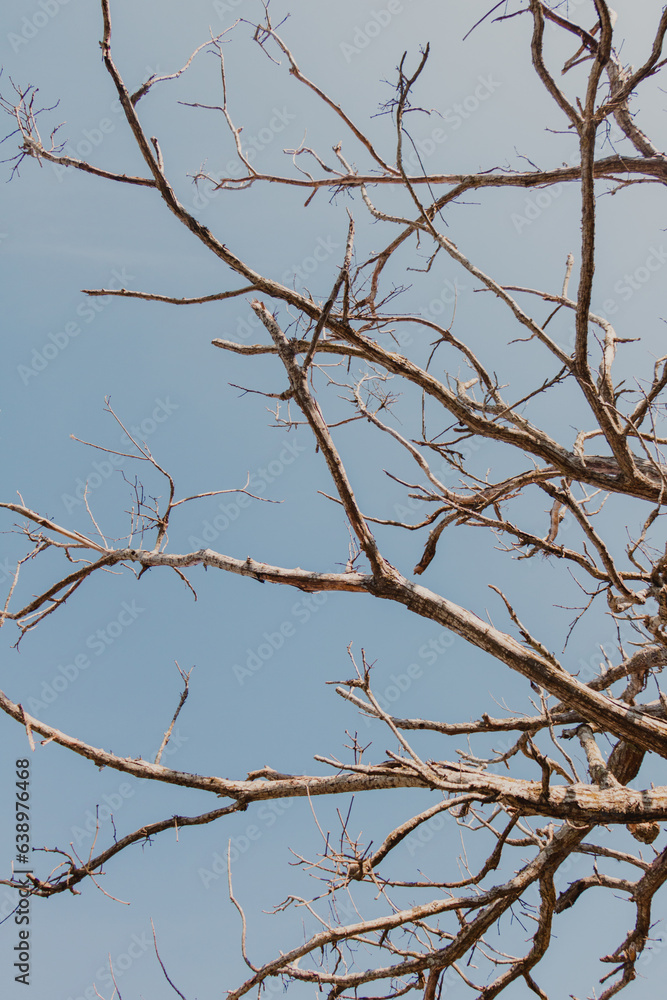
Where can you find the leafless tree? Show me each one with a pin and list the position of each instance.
(533, 824)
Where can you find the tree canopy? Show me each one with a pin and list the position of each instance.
(445, 295)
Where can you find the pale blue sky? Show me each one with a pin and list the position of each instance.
(65, 231)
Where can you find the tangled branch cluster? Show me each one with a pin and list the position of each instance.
(343, 341)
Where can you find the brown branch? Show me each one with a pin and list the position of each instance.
(152, 297)
(298, 380)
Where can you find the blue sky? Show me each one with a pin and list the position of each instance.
(102, 668)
